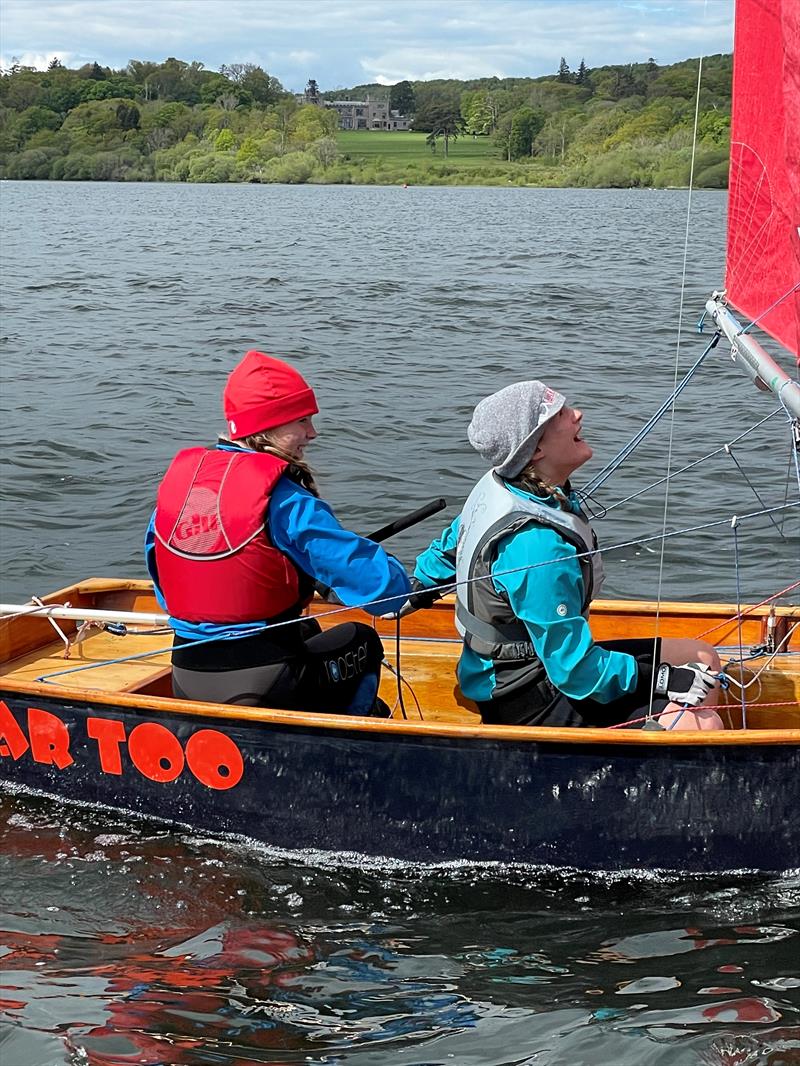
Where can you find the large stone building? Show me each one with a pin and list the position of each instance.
(366, 115)
(357, 114)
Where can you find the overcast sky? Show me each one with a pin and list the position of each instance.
(348, 42)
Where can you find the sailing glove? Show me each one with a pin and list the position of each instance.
(688, 684)
(420, 599)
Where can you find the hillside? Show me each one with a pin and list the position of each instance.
(615, 126)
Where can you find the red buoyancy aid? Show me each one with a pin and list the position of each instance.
(214, 559)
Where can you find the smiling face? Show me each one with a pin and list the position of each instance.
(561, 449)
(292, 437)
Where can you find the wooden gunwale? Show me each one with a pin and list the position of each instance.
(347, 723)
(19, 635)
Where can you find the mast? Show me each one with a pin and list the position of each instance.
(748, 353)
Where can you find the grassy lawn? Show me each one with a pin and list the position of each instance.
(368, 145)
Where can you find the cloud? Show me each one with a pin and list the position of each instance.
(421, 64)
(40, 60)
(303, 57)
(342, 42)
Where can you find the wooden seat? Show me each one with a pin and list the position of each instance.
(106, 662)
(429, 652)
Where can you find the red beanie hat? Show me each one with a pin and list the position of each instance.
(263, 392)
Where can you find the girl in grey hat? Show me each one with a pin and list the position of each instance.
(526, 567)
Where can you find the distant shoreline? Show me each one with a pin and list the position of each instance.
(617, 127)
(371, 185)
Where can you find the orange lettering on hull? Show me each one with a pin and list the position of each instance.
(153, 749)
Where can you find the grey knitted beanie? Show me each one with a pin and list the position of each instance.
(507, 425)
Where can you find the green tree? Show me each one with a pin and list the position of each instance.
(32, 164)
(502, 136)
(94, 72)
(623, 83)
(21, 89)
(326, 150)
(649, 124)
(263, 88)
(563, 71)
(311, 123)
(446, 123)
(95, 124)
(213, 87)
(402, 98)
(557, 134)
(224, 141)
(714, 127)
(33, 119)
(679, 80)
(525, 125)
(256, 151)
(280, 119)
(479, 112)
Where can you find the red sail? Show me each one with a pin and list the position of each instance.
(763, 262)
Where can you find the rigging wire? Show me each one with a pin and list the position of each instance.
(409, 686)
(752, 487)
(734, 527)
(751, 608)
(690, 466)
(445, 587)
(784, 642)
(671, 437)
(603, 475)
(778, 302)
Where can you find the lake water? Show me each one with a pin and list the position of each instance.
(123, 309)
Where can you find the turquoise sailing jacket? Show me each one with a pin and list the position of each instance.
(548, 599)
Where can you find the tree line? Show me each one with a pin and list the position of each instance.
(177, 121)
(613, 125)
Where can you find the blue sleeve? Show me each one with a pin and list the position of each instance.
(150, 560)
(437, 564)
(358, 570)
(547, 596)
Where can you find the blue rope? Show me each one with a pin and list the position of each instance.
(604, 474)
(44, 679)
(690, 466)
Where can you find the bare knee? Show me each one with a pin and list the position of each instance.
(688, 718)
(678, 650)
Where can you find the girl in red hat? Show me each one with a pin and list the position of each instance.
(239, 539)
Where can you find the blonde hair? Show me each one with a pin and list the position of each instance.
(297, 470)
(530, 481)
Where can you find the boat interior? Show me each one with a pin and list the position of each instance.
(42, 655)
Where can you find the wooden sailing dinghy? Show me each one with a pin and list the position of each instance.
(433, 783)
(102, 727)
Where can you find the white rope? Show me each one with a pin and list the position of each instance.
(442, 589)
(660, 580)
(757, 674)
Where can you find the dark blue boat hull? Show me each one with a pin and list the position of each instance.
(433, 798)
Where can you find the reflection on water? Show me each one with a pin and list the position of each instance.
(124, 945)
